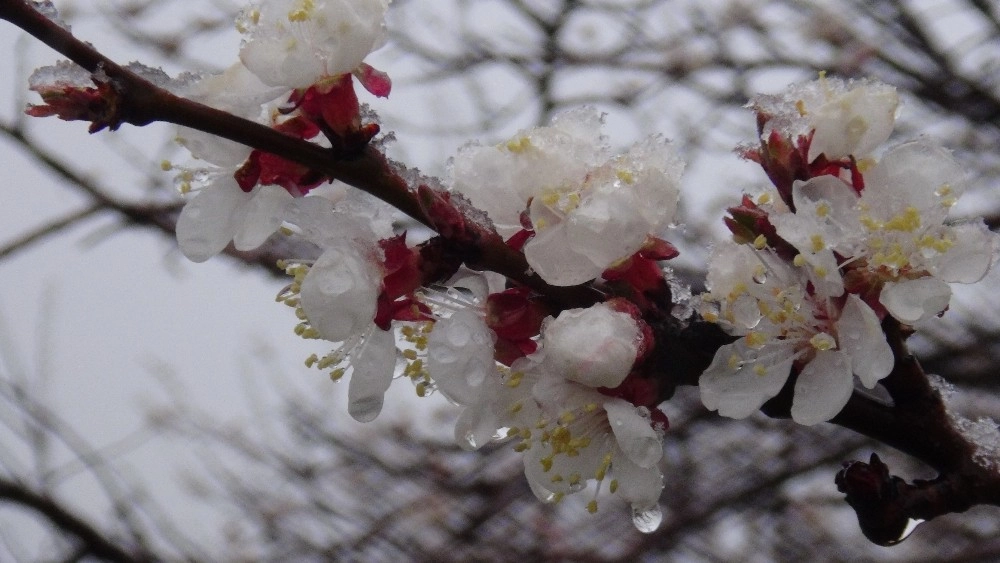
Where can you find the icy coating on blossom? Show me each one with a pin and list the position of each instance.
(296, 43)
(846, 117)
(587, 207)
(595, 346)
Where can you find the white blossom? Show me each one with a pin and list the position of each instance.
(845, 118)
(588, 208)
(296, 43)
(894, 236)
(336, 295)
(765, 301)
(221, 212)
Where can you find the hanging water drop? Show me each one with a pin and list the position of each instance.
(647, 520)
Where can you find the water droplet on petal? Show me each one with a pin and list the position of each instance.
(365, 409)
(470, 440)
(647, 520)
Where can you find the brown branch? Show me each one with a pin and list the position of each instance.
(93, 542)
(139, 102)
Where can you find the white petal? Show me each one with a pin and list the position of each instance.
(373, 367)
(635, 436)
(261, 217)
(549, 254)
(340, 293)
(913, 174)
(640, 486)
(475, 427)
(460, 356)
(854, 122)
(912, 301)
(595, 346)
(970, 258)
(860, 335)
(606, 227)
(735, 387)
(207, 222)
(823, 388)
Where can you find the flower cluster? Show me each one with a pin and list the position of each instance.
(844, 241)
(848, 239)
(584, 208)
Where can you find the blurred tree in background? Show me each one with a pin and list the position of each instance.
(301, 485)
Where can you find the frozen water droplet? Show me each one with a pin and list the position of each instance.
(501, 433)
(760, 277)
(647, 520)
(470, 440)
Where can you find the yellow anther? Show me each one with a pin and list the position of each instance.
(760, 370)
(760, 242)
(550, 198)
(907, 221)
(286, 231)
(756, 339)
(822, 210)
(546, 463)
(518, 145)
(516, 407)
(421, 389)
(523, 446)
(625, 176)
(823, 341)
(566, 417)
(817, 243)
(410, 354)
(764, 198)
(165, 165)
(592, 507)
(613, 487)
(800, 106)
(710, 317)
(311, 360)
(336, 374)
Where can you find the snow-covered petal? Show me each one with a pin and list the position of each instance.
(295, 43)
(340, 292)
(741, 379)
(262, 215)
(207, 222)
(852, 122)
(640, 443)
(823, 388)
(911, 301)
(595, 346)
(373, 367)
(859, 334)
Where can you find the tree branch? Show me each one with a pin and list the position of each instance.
(93, 541)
